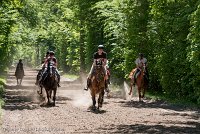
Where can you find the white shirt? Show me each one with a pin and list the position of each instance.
(140, 62)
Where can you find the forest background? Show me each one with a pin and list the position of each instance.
(166, 31)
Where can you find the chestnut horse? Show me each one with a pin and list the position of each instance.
(97, 86)
(50, 83)
(141, 82)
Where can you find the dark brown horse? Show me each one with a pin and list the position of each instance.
(141, 82)
(50, 83)
(97, 86)
(19, 72)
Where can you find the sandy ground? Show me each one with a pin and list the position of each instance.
(24, 112)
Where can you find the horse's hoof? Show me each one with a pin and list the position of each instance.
(94, 108)
(100, 106)
(140, 100)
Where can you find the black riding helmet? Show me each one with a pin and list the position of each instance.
(51, 53)
(141, 54)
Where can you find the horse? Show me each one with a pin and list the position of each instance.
(141, 82)
(50, 83)
(97, 86)
(19, 74)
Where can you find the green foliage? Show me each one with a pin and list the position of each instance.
(194, 54)
(166, 31)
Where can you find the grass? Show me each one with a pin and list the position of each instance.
(172, 100)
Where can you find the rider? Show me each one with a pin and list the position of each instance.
(140, 62)
(100, 57)
(20, 67)
(43, 67)
(52, 59)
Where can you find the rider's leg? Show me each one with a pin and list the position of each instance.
(89, 78)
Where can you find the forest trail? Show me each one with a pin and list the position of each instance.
(24, 112)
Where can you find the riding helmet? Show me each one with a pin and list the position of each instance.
(51, 53)
(101, 46)
(141, 54)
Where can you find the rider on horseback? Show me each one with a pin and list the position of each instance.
(19, 67)
(100, 58)
(51, 58)
(140, 63)
(38, 78)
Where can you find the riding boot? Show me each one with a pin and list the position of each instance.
(106, 86)
(88, 84)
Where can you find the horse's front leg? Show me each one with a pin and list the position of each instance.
(100, 100)
(47, 92)
(139, 93)
(54, 96)
(20, 81)
(144, 90)
(93, 100)
(50, 92)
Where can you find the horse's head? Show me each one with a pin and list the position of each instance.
(144, 69)
(51, 69)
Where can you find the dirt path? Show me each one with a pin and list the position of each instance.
(24, 114)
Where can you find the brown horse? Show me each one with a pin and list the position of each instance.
(141, 82)
(97, 86)
(19, 73)
(50, 83)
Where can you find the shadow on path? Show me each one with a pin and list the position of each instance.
(191, 128)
